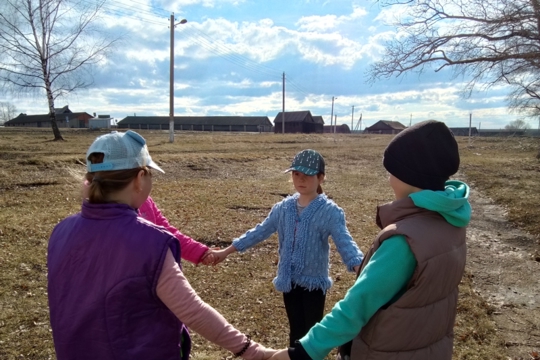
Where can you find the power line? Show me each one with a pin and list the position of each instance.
(232, 57)
(202, 39)
(138, 14)
(110, 5)
(221, 50)
(297, 87)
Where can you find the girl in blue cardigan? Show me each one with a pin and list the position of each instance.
(303, 221)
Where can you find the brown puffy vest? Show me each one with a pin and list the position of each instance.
(419, 325)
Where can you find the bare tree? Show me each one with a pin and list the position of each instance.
(7, 111)
(48, 47)
(517, 124)
(488, 41)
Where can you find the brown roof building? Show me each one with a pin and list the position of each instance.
(339, 129)
(65, 118)
(298, 122)
(385, 127)
(199, 123)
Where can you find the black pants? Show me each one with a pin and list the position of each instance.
(304, 309)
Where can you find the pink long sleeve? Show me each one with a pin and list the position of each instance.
(178, 295)
(191, 250)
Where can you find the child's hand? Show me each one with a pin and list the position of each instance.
(219, 256)
(208, 257)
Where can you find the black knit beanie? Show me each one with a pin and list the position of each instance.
(424, 155)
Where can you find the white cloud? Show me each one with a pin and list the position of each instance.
(316, 23)
(232, 64)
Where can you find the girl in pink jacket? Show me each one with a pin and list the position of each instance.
(192, 250)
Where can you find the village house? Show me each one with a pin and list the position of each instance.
(385, 127)
(338, 129)
(199, 123)
(65, 118)
(298, 122)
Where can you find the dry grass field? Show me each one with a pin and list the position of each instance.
(216, 187)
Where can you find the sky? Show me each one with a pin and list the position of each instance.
(230, 57)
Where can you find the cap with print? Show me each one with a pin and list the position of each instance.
(122, 151)
(308, 162)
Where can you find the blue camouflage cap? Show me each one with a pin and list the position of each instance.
(308, 162)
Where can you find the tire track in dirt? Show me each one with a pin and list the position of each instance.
(504, 262)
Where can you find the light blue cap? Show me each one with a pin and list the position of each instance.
(122, 151)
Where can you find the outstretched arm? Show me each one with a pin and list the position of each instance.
(382, 281)
(260, 232)
(345, 244)
(220, 255)
(176, 293)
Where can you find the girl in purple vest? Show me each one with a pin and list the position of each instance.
(304, 223)
(115, 286)
(403, 304)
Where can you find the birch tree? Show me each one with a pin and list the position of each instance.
(49, 46)
(488, 41)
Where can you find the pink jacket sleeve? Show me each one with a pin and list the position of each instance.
(191, 250)
(178, 295)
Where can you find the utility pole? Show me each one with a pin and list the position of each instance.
(332, 113)
(171, 85)
(283, 107)
(352, 118)
(335, 123)
(410, 121)
(171, 80)
(470, 128)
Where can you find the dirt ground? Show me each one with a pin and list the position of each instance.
(505, 263)
(237, 177)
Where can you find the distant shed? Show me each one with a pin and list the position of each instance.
(65, 118)
(199, 123)
(101, 122)
(385, 127)
(298, 122)
(318, 119)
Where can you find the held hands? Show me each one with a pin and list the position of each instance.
(216, 255)
(220, 255)
(209, 257)
(281, 355)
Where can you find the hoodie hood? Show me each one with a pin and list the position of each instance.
(452, 202)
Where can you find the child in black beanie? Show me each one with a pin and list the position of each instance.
(403, 304)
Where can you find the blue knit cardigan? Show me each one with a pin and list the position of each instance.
(303, 242)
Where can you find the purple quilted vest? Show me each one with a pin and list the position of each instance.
(104, 264)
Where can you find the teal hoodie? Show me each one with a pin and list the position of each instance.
(385, 277)
(452, 203)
